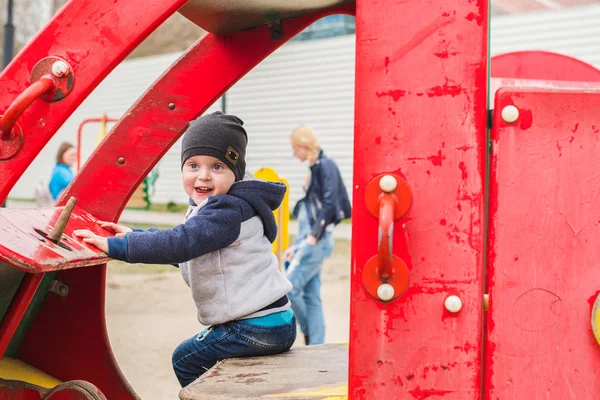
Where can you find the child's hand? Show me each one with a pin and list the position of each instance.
(93, 239)
(119, 230)
(288, 253)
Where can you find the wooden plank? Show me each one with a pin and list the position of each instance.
(313, 372)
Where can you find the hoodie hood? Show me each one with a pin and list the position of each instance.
(264, 197)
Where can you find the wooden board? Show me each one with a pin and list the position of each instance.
(312, 372)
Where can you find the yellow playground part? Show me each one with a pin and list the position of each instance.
(282, 214)
(13, 369)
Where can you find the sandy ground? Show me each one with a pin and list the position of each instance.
(150, 312)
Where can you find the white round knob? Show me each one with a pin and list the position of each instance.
(388, 183)
(453, 304)
(510, 114)
(385, 292)
(60, 69)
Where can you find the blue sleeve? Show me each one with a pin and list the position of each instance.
(59, 181)
(216, 226)
(329, 186)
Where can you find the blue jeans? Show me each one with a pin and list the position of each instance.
(305, 277)
(232, 339)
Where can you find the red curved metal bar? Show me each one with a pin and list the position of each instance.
(386, 234)
(143, 135)
(20, 104)
(542, 65)
(105, 44)
(92, 43)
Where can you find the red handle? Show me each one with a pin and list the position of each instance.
(386, 233)
(20, 104)
(385, 269)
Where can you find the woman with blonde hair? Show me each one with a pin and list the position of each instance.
(324, 205)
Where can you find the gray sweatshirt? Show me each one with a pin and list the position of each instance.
(224, 251)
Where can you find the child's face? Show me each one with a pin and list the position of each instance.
(70, 157)
(206, 176)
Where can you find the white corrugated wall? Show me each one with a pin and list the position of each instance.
(308, 82)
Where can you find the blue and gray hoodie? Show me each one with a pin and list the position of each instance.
(224, 252)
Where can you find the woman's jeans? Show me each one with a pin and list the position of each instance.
(305, 274)
(237, 338)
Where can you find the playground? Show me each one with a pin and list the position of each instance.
(471, 272)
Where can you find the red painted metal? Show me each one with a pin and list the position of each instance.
(103, 187)
(63, 79)
(17, 309)
(94, 37)
(16, 390)
(387, 207)
(9, 148)
(25, 245)
(80, 132)
(544, 243)
(542, 65)
(20, 104)
(75, 390)
(81, 24)
(421, 112)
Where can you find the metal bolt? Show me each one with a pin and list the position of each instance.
(121, 160)
(59, 288)
(510, 114)
(453, 304)
(60, 69)
(385, 292)
(171, 106)
(388, 183)
(486, 301)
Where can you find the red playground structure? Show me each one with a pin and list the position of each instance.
(475, 233)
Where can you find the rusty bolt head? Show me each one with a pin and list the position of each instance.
(121, 160)
(171, 106)
(60, 69)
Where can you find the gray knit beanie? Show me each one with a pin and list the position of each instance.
(218, 135)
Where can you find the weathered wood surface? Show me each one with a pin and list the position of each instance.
(313, 372)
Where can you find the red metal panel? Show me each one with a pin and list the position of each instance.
(93, 37)
(15, 312)
(543, 65)
(421, 75)
(24, 244)
(544, 246)
(104, 185)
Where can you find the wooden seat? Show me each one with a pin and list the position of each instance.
(312, 372)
